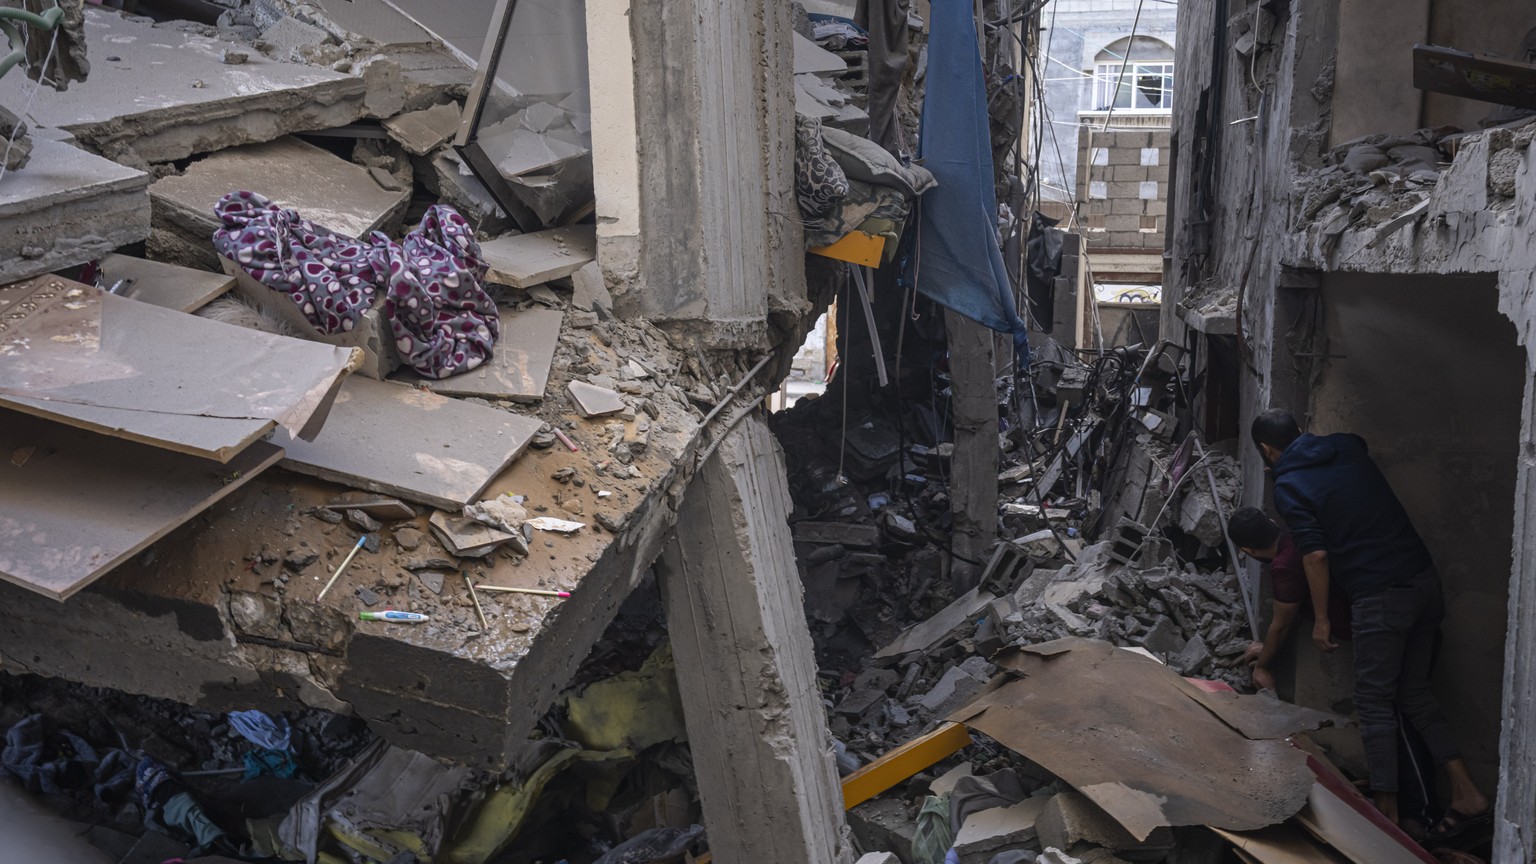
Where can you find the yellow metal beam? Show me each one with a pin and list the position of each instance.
(903, 762)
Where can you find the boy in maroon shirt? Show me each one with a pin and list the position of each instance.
(1259, 537)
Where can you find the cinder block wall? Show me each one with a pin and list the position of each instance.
(1122, 187)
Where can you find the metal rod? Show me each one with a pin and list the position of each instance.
(539, 591)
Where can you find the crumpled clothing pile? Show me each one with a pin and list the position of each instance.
(442, 320)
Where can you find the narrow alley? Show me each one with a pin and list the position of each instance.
(788, 431)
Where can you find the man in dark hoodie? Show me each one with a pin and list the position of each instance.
(1354, 535)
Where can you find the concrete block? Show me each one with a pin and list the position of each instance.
(884, 823)
(989, 832)
(1156, 207)
(1158, 173)
(1129, 155)
(1128, 207)
(1130, 173)
(67, 207)
(1124, 188)
(1123, 222)
(1070, 818)
(168, 95)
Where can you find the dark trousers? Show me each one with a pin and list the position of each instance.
(1394, 636)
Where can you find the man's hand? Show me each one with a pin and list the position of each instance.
(1322, 634)
(1251, 656)
(1263, 679)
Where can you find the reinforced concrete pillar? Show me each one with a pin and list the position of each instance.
(761, 751)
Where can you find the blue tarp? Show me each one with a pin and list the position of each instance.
(957, 262)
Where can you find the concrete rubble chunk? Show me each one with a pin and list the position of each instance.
(421, 132)
(173, 287)
(1070, 818)
(324, 188)
(591, 400)
(289, 38)
(996, 830)
(465, 537)
(525, 260)
(169, 94)
(67, 207)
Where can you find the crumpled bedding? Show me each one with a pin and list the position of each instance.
(440, 316)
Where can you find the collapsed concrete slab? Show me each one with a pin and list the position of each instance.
(159, 94)
(223, 612)
(325, 189)
(67, 207)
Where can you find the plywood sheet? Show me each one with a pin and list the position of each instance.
(74, 504)
(76, 354)
(1123, 731)
(525, 260)
(518, 369)
(168, 286)
(404, 441)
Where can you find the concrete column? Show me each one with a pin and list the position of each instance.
(1516, 800)
(744, 664)
(973, 492)
(693, 151)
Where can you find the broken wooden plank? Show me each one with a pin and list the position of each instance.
(168, 286)
(74, 505)
(1474, 76)
(519, 366)
(410, 443)
(525, 260)
(73, 353)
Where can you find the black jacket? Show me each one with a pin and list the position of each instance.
(1335, 499)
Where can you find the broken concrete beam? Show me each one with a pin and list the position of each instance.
(371, 334)
(422, 132)
(924, 635)
(166, 94)
(766, 779)
(999, 829)
(67, 207)
(166, 285)
(843, 533)
(525, 260)
(325, 189)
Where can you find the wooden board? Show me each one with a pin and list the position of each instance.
(165, 285)
(1280, 844)
(525, 260)
(519, 368)
(1474, 76)
(78, 355)
(79, 504)
(410, 443)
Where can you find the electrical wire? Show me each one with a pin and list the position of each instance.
(21, 119)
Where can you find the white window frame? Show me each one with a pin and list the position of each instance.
(1106, 75)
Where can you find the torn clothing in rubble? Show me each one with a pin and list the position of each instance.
(51, 761)
(440, 316)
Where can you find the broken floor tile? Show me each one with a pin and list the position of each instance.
(593, 401)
